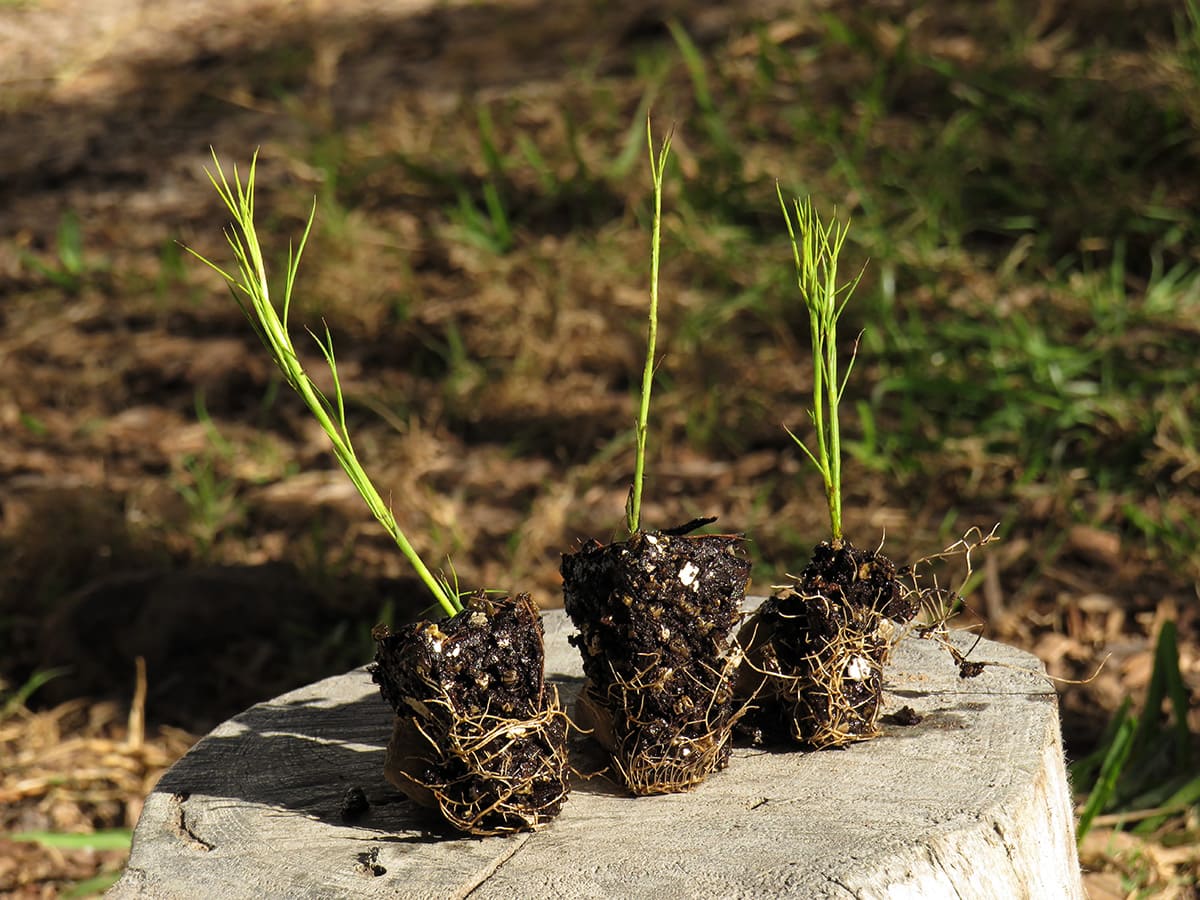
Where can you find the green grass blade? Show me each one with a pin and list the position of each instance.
(1166, 662)
(710, 116)
(21, 695)
(1166, 658)
(70, 245)
(112, 839)
(91, 887)
(693, 59)
(1084, 771)
(1178, 801)
(1111, 770)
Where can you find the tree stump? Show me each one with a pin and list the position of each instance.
(288, 800)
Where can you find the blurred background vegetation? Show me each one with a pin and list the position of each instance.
(1021, 181)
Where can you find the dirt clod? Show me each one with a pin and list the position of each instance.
(654, 615)
(816, 649)
(354, 805)
(477, 736)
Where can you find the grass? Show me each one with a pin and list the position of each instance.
(1144, 769)
(210, 494)
(1025, 311)
(1139, 790)
(113, 839)
(18, 698)
(1026, 318)
(1013, 339)
(108, 839)
(69, 268)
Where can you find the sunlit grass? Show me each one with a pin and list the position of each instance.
(1144, 771)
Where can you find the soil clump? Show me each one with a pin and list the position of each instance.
(655, 615)
(815, 650)
(477, 735)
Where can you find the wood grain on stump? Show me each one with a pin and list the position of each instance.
(970, 802)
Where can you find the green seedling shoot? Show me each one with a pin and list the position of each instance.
(251, 291)
(816, 252)
(658, 164)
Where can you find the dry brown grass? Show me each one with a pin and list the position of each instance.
(76, 768)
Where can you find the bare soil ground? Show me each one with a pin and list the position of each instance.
(163, 498)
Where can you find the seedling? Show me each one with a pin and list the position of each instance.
(817, 648)
(476, 735)
(658, 164)
(251, 290)
(654, 614)
(816, 255)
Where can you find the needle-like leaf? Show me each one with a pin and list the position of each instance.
(252, 293)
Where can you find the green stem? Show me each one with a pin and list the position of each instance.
(815, 253)
(272, 328)
(833, 486)
(658, 163)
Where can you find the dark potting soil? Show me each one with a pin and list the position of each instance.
(490, 655)
(822, 644)
(470, 675)
(654, 615)
(863, 579)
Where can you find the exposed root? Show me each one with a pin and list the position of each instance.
(840, 703)
(939, 604)
(508, 774)
(655, 755)
(919, 582)
(654, 615)
(817, 649)
(477, 735)
(827, 695)
(675, 763)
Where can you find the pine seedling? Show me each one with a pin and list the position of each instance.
(815, 252)
(658, 164)
(654, 615)
(817, 648)
(817, 645)
(251, 290)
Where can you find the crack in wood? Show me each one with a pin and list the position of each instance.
(478, 880)
(180, 828)
(845, 887)
(933, 853)
(1008, 849)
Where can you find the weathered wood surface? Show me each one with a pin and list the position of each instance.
(972, 802)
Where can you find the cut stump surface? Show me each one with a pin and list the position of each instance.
(971, 801)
